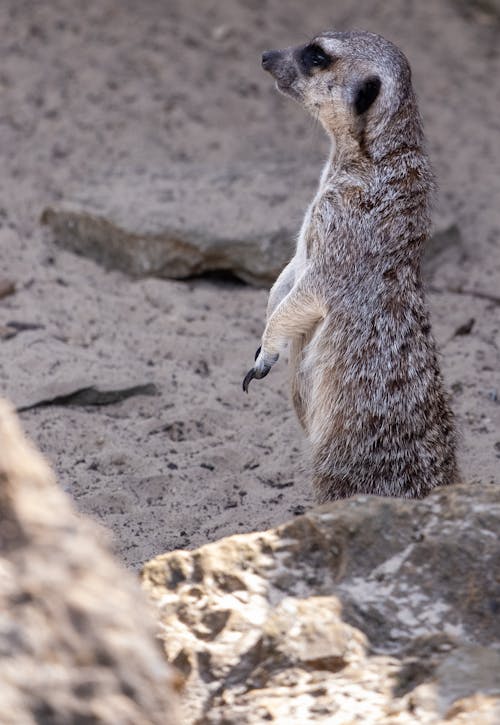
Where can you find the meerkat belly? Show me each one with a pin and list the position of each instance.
(300, 355)
(355, 376)
(304, 352)
(375, 412)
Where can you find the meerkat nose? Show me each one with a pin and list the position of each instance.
(268, 57)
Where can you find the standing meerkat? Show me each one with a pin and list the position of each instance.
(366, 383)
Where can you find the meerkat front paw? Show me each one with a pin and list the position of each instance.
(263, 364)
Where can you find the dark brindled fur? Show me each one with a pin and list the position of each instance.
(366, 382)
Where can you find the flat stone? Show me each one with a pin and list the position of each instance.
(66, 392)
(242, 220)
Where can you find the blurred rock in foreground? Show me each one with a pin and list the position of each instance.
(76, 639)
(370, 610)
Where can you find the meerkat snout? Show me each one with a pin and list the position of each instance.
(268, 59)
(279, 63)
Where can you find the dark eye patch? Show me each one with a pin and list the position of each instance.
(313, 57)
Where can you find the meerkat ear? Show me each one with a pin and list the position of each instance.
(365, 94)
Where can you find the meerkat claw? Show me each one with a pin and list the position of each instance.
(256, 374)
(257, 352)
(248, 377)
(263, 364)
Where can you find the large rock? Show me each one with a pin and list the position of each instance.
(370, 610)
(241, 220)
(76, 638)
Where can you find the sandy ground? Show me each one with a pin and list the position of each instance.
(108, 88)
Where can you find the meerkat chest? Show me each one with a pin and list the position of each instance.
(306, 234)
(328, 207)
(308, 230)
(303, 243)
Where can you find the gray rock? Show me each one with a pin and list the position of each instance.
(380, 609)
(242, 220)
(76, 637)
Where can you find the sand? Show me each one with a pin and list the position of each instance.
(111, 89)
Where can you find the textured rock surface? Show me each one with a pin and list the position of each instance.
(376, 609)
(76, 639)
(210, 220)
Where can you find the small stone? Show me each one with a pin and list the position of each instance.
(222, 32)
(7, 287)
(465, 328)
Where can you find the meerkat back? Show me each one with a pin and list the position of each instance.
(366, 383)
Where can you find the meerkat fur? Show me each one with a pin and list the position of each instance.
(366, 382)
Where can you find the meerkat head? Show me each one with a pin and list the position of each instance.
(347, 80)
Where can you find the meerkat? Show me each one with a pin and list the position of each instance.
(366, 382)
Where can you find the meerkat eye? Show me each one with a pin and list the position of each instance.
(313, 57)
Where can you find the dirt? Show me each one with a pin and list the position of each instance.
(109, 90)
